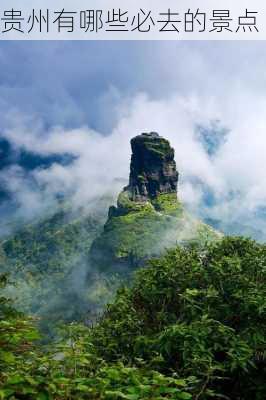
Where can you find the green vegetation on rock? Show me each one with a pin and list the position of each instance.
(168, 203)
(149, 217)
(160, 148)
(136, 231)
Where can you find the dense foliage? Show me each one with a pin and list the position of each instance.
(70, 369)
(191, 326)
(196, 313)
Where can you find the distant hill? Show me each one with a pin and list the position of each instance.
(48, 262)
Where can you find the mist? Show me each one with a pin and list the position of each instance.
(224, 184)
(207, 99)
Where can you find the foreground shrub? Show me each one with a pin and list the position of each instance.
(196, 312)
(191, 326)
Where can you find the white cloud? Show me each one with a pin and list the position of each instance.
(193, 89)
(100, 159)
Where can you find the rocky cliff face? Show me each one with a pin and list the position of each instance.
(148, 217)
(152, 169)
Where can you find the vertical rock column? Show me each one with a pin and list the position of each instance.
(152, 169)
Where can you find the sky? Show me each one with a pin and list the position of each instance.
(69, 109)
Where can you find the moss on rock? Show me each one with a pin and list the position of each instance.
(136, 231)
(168, 203)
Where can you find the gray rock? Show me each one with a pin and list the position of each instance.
(152, 169)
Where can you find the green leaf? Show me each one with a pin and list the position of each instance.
(15, 379)
(43, 396)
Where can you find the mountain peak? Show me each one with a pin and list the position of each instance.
(153, 168)
(149, 217)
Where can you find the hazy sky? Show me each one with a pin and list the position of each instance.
(88, 99)
(72, 83)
